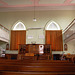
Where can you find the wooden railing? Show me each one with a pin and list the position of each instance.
(69, 26)
(4, 27)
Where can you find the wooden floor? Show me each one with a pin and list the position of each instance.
(36, 67)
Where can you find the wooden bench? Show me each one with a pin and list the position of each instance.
(36, 73)
(39, 64)
(22, 68)
(36, 61)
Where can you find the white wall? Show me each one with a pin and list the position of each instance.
(62, 17)
(71, 48)
(3, 44)
(35, 34)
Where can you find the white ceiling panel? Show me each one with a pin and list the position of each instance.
(27, 5)
(37, 8)
(73, 1)
(51, 1)
(17, 2)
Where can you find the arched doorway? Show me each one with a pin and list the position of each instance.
(53, 35)
(18, 35)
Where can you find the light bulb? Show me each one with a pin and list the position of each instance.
(34, 19)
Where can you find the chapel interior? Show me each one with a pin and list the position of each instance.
(37, 37)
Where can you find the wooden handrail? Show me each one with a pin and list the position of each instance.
(70, 36)
(4, 27)
(68, 26)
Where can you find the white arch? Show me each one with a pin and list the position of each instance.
(52, 26)
(19, 26)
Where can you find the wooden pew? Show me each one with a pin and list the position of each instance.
(36, 73)
(43, 63)
(36, 61)
(39, 64)
(2, 58)
(22, 68)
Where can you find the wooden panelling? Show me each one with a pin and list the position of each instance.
(59, 41)
(34, 49)
(10, 56)
(55, 39)
(48, 41)
(17, 37)
(13, 40)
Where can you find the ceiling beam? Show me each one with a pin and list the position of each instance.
(36, 2)
(2, 2)
(67, 1)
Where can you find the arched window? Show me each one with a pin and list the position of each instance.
(52, 26)
(19, 26)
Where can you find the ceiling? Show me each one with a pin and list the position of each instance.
(28, 5)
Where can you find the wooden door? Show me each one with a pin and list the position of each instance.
(17, 37)
(55, 39)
